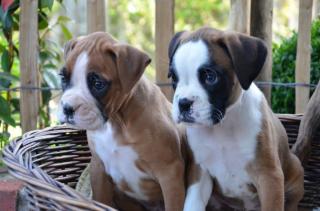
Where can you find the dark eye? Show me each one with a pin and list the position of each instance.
(210, 77)
(174, 77)
(99, 84)
(64, 78)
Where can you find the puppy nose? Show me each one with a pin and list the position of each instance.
(68, 110)
(185, 104)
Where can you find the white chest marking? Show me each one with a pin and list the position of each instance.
(226, 149)
(119, 161)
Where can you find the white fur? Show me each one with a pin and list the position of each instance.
(87, 114)
(198, 194)
(119, 161)
(187, 59)
(226, 149)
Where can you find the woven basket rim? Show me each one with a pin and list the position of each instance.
(21, 166)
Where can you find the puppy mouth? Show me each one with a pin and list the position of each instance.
(68, 120)
(217, 116)
(186, 118)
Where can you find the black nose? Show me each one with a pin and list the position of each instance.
(68, 110)
(185, 104)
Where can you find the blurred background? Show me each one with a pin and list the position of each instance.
(133, 22)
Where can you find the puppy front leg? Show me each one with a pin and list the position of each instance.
(270, 186)
(102, 186)
(199, 191)
(173, 186)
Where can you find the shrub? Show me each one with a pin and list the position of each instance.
(284, 58)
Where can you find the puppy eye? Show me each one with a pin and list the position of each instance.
(64, 78)
(99, 84)
(208, 76)
(96, 83)
(174, 77)
(211, 78)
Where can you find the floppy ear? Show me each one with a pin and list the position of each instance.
(130, 63)
(174, 43)
(248, 55)
(68, 48)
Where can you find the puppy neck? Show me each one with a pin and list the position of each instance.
(247, 109)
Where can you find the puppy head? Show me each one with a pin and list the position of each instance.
(209, 69)
(98, 75)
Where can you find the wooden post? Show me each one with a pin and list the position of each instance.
(261, 26)
(302, 72)
(96, 18)
(29, 99)
(164, 32)
(239, 17)
(316, 9)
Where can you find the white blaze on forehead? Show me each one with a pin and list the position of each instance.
(79, 70)
(79, 78)
(188, 58)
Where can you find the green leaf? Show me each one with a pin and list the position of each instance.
(43, 20)
(5, 64)
(67, 34)
(46, 94)
(51, 78)
(9, 77)
(63, 19)
(15, 102)
(7, 21)
(46, 4)
(5, 113)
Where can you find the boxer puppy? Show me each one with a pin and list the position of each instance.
(137, 158)
(240, 146)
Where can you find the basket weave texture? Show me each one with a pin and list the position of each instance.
(50, 162)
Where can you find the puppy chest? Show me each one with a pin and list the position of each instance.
(226, 159)
(119, 162)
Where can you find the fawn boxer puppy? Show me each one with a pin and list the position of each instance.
(240, 146)
(137, 160)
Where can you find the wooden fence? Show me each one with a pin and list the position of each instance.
(246, 16)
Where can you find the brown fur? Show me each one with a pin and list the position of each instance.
(141, 118)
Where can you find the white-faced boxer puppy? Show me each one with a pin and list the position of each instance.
(240, 146)
(128, 123)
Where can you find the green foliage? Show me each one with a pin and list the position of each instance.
(190, 14)
(284, 58)
(49, 63)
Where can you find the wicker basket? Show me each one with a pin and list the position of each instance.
(51, 160)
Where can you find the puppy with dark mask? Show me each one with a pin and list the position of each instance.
(137, 161)
(240, 148)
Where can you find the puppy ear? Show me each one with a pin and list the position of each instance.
(174, 43)
(130, 63)
(68, 48)
(248, 55)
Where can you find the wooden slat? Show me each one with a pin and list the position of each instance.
(261, 26)
(96, 18)
(302, 73)
(29, 100)
(164, 31)
(239, 17)
(316, 9)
